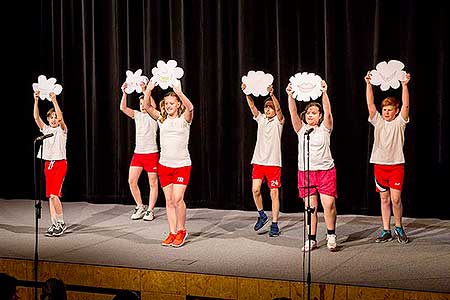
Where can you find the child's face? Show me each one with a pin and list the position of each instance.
(269, 111)
(53, 120)
(389, 112)
(171, 105)
(312, 116)
(141, 105)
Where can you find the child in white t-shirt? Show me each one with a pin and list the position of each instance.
(53, 152)
(266, 159)
(174, 120)
(387, 156)
(145, 157)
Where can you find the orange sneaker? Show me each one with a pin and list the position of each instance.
(180, 238)
(169, 240)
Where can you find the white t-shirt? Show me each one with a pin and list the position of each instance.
(319, 148)
(146, 128)
(268, 141)
(54, 146)
(174, 139)
(389, 138)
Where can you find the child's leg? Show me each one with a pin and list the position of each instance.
(386, 209)
(153, 182)
(397, 206)
(256, 190)
(180, 205)
(170, 208)
(313, 203)
(56, 210)
(274, 195)
(133, 177)
(329, 211)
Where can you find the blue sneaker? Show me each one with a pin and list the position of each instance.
(274, 230)
(262, 220)
(401, 235)
(385, 236)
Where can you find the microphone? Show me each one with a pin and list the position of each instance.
(308, 131)
(43, 137)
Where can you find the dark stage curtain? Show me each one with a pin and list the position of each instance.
(88, 45)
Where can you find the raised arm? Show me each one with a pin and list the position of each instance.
(276, 104)
(251, 104)
(405, 98)
(327, 115)
(37, 117)
(295, 118)
(148, 106)
(369, 97)
(59, 114)
(123, 103)
(189, 112)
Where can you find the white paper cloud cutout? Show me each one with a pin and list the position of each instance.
(134, 81)
(388, 75)
(306, 86)
(46, 86)
(256, 83)
(167, 74)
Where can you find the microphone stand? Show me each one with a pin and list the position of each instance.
(308, 211)
(38, 207)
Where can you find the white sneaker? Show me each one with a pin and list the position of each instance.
(306, 247)
(331, 242)
(149, 215)
(139, 212)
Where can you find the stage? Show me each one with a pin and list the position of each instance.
(223, 243)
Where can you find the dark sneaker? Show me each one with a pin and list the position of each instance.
(401, 235)
(50, 230)
(59, 229)
(274, 230)
(261, 222)
(385, 236)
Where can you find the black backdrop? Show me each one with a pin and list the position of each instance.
(88, 45)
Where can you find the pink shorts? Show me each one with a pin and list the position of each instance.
(320, 181)
(55, 172)
(271, 173)
(389, 176)
(168, 175)
(148, 161)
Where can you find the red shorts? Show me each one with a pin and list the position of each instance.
(168, 175)
(55, 172)
(389, 176)
(320, 181)
(271, 173)
(148, 161)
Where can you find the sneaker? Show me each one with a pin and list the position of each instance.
(139, 212)
(261, 222)
(385, 236)
(401, 235)
(59, 229)
(274, 230)
(331, 242)
(313, 246)
(180, 238)
(149, 215)
(169, 240)
(50, 230)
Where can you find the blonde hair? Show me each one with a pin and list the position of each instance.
(162, 106)
(50, 111)
(390, 101)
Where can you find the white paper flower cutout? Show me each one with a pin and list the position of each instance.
(306, 86)
(46, 86)
(134, 81)
(256, 83)
(388, 75)
(167, 74)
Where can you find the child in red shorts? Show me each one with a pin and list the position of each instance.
(387, 156)
(53, 151)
